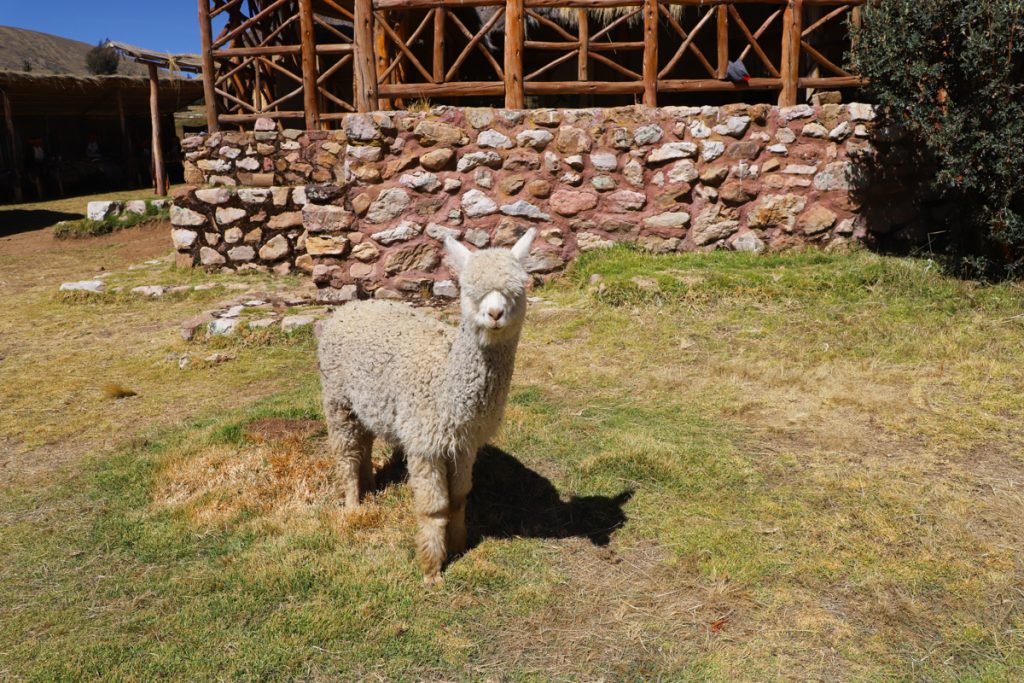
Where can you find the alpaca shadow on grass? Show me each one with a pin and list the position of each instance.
(510, 500)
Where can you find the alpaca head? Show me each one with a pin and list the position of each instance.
(493, 284)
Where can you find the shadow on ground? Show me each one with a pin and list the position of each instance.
(24, 220)
(510, 500)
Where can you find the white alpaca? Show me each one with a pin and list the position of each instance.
(437, 393)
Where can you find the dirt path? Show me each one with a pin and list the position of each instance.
(36, 258)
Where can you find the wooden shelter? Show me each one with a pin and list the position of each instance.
(89, 127)
(315, 60)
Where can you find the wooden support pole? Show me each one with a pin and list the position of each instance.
(583, 63)
(209, 73)
(723, 40)
(440, 16)
(792, 20)
(381, 55)
(515, 16)
(650, 68)
(365, 62)
(16, 159)
(309, 88)
(159, 173)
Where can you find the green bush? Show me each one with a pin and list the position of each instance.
(102, 60)
(952, 74)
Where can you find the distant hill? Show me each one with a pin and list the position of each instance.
(49, 54)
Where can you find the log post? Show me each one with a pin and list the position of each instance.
(723, 41)
(650, 67)
(209, 73)
(365, 64)
(792, 21)
(438, 66)
(16, 160)
(309, 89)
(583, 62)
(159, 173)
(514, 18)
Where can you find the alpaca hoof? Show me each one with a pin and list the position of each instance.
(433, 580)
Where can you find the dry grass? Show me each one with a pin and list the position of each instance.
(789, 468)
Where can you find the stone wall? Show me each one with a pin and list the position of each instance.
(364, 209)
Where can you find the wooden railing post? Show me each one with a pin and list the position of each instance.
(650, 69)
(514, 18)
(723, 40)
(583, 59)
(440, 15)
(209, 74)
(310, 99)
(365, 60)
(792, 25)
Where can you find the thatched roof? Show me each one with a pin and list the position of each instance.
(180, 63)
(34, 94)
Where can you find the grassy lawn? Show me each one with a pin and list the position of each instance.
(714, 467)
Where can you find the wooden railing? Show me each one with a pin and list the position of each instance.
(268, 61)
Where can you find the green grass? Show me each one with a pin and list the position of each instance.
(85, 227)
(808, 466)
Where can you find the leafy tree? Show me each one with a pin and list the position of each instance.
(102, 60)
(951, 73)
(26, 66)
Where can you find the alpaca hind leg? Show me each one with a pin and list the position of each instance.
(460, 483)
(366, 478)
(429, 481)
(348, 442)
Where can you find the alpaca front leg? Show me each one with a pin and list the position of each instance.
(429, 483)
(349, 444)
(460, 483)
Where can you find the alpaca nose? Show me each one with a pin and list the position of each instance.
(495, 312)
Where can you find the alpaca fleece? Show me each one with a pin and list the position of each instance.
(435, 392)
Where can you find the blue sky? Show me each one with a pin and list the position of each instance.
(165, 26)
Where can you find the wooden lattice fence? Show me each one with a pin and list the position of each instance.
(320, 59)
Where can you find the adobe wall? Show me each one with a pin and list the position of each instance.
(364, 209)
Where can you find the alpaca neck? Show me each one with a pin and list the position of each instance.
(478, 375)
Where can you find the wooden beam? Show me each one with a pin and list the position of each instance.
(650, 66)
(753, 41)
(514, 20)
(209, 72)
(309, 98)
(723, 40)
(459, 89)
(159, 172)
(792, 20)
(365, 68)
(16, 160)
(715, 85)
(588, 88)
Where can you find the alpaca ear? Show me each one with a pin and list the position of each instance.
(522, 248)
(458, 255)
